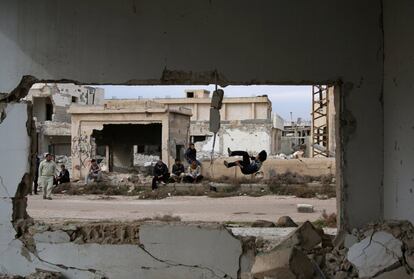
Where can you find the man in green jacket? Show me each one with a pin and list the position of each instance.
(47, 171)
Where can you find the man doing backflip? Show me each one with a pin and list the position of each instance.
(248, 165)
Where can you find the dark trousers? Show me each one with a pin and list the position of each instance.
(244, 163)
(35, 184)
(156, 179)
(190, 179)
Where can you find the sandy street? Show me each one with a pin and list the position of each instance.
(189, 208)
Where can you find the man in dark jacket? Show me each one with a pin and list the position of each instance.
(63, 175)
(191, 154)
(177, 171)
(160, 174)
(247, 166)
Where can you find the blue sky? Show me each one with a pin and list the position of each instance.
(285, 99)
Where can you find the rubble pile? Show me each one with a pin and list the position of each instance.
(382, 251)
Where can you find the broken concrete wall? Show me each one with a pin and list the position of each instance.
(398, 116)
(248, 135)
(286, 50)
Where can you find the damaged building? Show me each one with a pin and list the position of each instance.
(120, 131)
(362, 48)
(50, 104)
(247, 123)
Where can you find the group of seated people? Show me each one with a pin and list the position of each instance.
(178, 174)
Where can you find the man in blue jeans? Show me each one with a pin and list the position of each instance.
(248, 165)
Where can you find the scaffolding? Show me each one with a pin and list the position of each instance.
(320, 121)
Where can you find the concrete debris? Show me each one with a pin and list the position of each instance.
(375, 254)
(399, 273)
(284, 263)
(39, 274)
(306, 237)
(376, 250)
(100, 233)
(305, 208)
(263, 224)
(285, 222)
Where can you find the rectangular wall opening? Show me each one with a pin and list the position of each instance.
(136, 126)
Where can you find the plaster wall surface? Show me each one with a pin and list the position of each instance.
(279, 44)
(398, 107)
(306, 166)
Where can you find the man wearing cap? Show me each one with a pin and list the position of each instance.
(47, 171)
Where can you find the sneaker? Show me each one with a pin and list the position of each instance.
(229, 151)
(226, 164)
(49, 198)
(162, 183)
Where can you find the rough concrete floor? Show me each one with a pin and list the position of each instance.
(189, 208)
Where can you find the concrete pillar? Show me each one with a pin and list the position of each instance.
(195, 112)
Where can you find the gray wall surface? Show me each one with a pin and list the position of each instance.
(398, 106)
(184, 42)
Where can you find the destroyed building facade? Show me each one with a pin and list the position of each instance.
(119, 129)
(362, 47)
(50, 104)
(247, 123)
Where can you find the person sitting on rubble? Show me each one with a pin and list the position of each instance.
(249, 165)
(63, 176)
(177, 173)
(161, 174)
(95, 172)
(191, 154)
(194, 173)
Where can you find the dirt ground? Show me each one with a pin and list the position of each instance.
(188, 208)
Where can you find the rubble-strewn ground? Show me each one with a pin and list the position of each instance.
(139, 185)
(230, 209)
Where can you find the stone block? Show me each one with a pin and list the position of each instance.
(285, 222)
(306, 237)
(305, 208)
(221, 187)
(375, 253)
(211, 247)
(283, 263)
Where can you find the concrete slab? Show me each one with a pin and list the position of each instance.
(194, 245)
(375, 253)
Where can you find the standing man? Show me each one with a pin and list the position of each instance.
(47, 172)
(160, 174)
(36, 178)
(191, 154)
